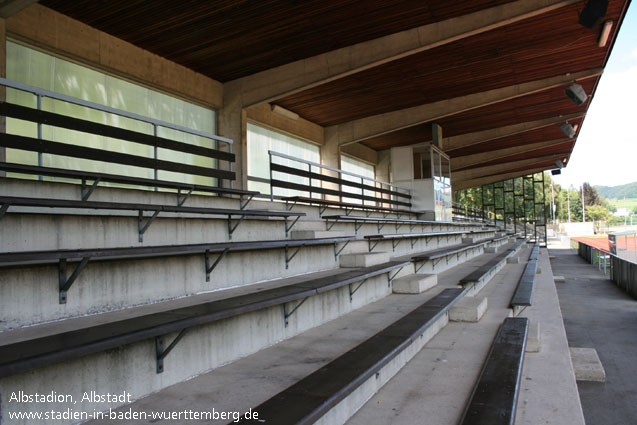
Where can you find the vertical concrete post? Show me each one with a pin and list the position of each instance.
(436, 136)
(233, 124)
(330, 156)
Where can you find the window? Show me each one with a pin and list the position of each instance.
(361, 168)
(260, 141)
(45, 71)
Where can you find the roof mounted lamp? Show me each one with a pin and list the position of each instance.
(593, 13)
(568, 130)
(576, 93)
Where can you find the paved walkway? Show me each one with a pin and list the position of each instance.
(599, 315)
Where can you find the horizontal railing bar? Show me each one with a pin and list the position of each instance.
(57, 120)
(304, 188)
(330, 179)
(315, 164)
(110, 110)
(75, 151)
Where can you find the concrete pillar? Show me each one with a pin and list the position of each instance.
(331, 156)
(436, 136)
(233, 124)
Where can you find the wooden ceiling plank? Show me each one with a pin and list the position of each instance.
(472, 160)
(490, 170)
(376, 125)
(291, 78)
(467, 184)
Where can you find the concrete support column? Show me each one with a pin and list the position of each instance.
(233, 124)
(330, 156)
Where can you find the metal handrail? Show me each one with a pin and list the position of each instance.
(46, 93)
(315, 164)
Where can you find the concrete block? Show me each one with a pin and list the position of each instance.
(561, 279)
(534, 337)
(468, 240)
(513, 260)
(490, 249)
(414, 284)
(587, 365)
(364, 259)
(468, 309)
(318, 234)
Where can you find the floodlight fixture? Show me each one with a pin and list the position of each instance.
(567, 129)
(556, 172)
(559, 163)
(576, 93)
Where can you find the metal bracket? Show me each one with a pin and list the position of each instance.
(322, 209)
(242, 205)
(380, 226)
(357, 226)
(369, 244)
(288, 206)
(287, 314)
(353, 291)
(337, 252)
(64, 282)
(327, 224)
(289, 257)
(181, 201)
(368, 213)
(394, 243)
(434, 262)
(161, 353)
(288, 228)
(3, 209)
(141, 226)
(348, 211)
(232, 228)
(86, 193)
(210, 268)
(413, 241)
(391, 277)
(417, 269)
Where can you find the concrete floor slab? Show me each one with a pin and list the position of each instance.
(600, 315)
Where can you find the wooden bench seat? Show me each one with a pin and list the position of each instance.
(495, 395)
(523, 295)
(348, 206)
(313, 396)
(380, 222)
(33, 353)
(144, 222)
(397, 238)
(183, 189)
(83, 256)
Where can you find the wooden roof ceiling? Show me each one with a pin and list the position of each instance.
(229, 39)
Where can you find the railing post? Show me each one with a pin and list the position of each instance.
(309, 167)
(230, 169)
(40, 157)
(271, 187)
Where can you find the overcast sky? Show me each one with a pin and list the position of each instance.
(606, 149)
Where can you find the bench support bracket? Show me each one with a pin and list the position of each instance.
(242, 204)
(337, 252)
(87, 192)
(391, 277)
(162, 353)
(353, 290)
(232, 228)
(287, 313)
(395, 242)
(143, 226)
(369, 243)
(180, 200)
(64, 282)
(289, 257)
(288, 228)
(210, 268)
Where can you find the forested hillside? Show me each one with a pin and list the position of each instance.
(624, 191)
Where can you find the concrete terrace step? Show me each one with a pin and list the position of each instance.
(250, 381)
(414, 284)
(363, 259)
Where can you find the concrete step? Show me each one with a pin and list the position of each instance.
(363, 259)
(468, 309)
(414, 284)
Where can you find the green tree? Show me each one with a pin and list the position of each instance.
(591, 197)
(597, 212)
